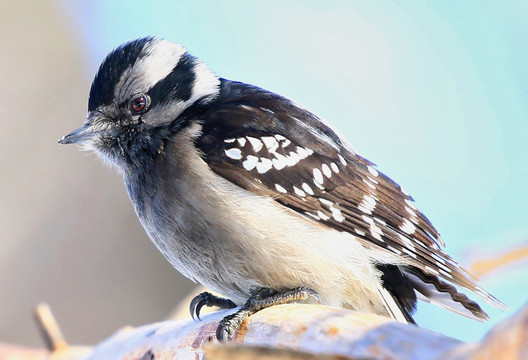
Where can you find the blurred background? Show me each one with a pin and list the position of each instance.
(435, 93)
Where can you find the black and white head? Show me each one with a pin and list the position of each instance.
(140, 88)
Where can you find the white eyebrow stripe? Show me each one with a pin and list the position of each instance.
(159, 59)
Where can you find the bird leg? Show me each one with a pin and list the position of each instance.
(261, 299)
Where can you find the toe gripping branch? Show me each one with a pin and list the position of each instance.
(209, 300)
(260, 299)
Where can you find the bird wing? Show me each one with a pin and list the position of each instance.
(267, 144)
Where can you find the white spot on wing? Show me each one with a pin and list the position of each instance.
(408, 243)
(326, 202)
(393, 249)
(407, 227)
(342, 159)
(284, 142)
(367, 219)
(322, 215)
(376, 231)
(270, 142)
(304, 152)
(256, 143)
(373, 171)
(264, 165)
(280, 189)
(250, 162)
(318, 176)
(409, 252)
(410, 204)
(312, 215)
(280, 161)
(380, 221)
(370, 185)
(307, 188)
(410, 211)
(336, 214)
(319, 186)
(234, 153)
(334, 168)
(364, 209)
(326, 170)
(298, 191)
(368, 204)
(293, 158)
(230, 140)
(241, 141)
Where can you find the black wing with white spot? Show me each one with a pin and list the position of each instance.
(265, 143)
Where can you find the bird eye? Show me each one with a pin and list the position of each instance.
(139, 104)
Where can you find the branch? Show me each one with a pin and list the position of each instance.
(297, 332)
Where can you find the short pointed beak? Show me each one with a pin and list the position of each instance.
(77, 136)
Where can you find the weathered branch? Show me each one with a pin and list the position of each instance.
(296, 332)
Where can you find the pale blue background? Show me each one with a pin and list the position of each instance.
(435, 93)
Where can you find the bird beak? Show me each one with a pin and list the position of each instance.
(80, 135)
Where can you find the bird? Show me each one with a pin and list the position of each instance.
(257, 198)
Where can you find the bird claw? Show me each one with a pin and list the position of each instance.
(208, 299)
(231, 323)
(196, 305)
(314, 294)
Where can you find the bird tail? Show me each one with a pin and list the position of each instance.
(432, 289)
(394, 306)
(396, 293)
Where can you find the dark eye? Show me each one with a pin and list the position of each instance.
(139, 104)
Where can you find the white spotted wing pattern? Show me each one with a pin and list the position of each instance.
(305, 166)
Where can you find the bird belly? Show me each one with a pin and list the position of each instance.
(232, 241)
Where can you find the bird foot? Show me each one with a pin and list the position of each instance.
(261, 299)
(209, 300)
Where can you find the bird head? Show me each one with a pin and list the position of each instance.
(140, 89)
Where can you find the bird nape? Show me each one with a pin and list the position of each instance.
(257, 198)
